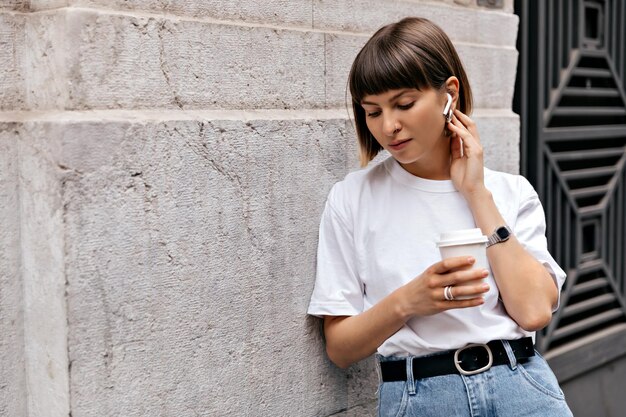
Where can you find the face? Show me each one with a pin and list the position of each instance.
(409, 124)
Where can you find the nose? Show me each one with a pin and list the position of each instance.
(391, 125)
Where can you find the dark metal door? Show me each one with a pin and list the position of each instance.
(572, 104)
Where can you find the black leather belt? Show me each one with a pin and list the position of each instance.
(468, 360)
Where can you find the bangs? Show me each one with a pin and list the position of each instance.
(385, 65)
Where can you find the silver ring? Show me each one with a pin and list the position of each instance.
(447, 293)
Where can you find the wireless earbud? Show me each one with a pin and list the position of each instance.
(447, 111)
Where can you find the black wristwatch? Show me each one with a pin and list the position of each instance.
(501, 234)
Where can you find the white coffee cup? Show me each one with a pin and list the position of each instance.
(467, 242)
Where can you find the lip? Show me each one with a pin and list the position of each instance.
(399, 144)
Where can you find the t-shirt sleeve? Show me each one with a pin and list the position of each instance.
(530, 230)
(338, 290)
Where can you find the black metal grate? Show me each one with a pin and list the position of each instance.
(572, 103)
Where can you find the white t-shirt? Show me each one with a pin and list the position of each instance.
(378, 232)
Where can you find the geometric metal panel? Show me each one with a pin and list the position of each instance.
(574, 153)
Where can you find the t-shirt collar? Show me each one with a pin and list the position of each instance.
(402, 176)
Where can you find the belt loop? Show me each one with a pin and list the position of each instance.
(510, 354)
(410, 380)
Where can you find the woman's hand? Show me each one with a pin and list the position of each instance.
(352, 338)
(467, 167)
(424, 295)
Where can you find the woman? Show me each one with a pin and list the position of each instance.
(381, 285)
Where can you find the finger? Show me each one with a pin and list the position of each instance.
(457, 126)
(461, 277)
(470, 144)
(449, 264)
(466, 291)
(467, 121)
(456, 147)
(449, 305)
(469, 124)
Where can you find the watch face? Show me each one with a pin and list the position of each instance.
(503, 232)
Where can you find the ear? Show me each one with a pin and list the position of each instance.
(452, 87)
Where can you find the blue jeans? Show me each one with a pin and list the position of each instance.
(515, 390)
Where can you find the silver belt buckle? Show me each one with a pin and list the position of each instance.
(457, 362)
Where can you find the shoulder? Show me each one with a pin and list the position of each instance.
(349, 196)
(503, 184)
(512, 193)
(349, 190)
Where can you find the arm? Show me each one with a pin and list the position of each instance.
(352, 338)
(526, 287)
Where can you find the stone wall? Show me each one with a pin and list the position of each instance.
(163, 166)
(12, 377)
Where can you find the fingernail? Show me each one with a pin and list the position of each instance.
(471, 260)
(485, 273)
(485, 286)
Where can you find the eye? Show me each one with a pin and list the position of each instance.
(406, 106)
(373, 114)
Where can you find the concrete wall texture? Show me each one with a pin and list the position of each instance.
(163, 166)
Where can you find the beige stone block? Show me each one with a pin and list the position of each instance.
(186, 242)
(118, 61)
(277, 12)
(14, 4)
(82, 60)
(499, 135)
(340, 53)
(39, 5)
(13, 376)
(42, 269)
(462, 24)
(491, 71)
(45, 61)
(12, 94)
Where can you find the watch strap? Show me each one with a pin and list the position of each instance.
(495, 236)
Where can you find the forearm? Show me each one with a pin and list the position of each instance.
(525, 286)
(350, 339)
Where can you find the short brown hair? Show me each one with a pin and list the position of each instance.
(411, 53)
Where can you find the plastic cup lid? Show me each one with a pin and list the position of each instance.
(462, 237)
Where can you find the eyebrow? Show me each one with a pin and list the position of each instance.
(406, 90)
